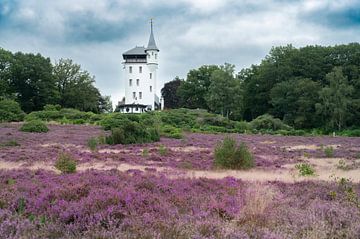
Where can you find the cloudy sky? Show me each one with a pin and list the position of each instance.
(189, 33)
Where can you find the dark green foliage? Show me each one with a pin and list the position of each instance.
(169, 93)
(65, 163)
(193, 91)
(228, 154)
(132, 132)
(10, 111)
(268, 122)
(36, 126)
(76, 87)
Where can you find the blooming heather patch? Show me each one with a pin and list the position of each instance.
(145, 205)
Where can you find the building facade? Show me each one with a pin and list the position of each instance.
(140, 76)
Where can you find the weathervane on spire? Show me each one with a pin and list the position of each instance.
(151, 23)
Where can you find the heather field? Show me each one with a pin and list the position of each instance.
(171, 189)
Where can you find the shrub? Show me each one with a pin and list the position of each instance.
(132, 132)
(92, 143)
(50, 107)
(329, 151)
(10, 143)
(230, 155)
(242, 127)
(10, 111)
(145, 152)
(268, 122)
(65, 163)
(305, 169)
(36, 126)
(171, 132)
(163, 150)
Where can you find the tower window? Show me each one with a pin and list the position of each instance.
(151, 88)
(134, 95)
(150, 75)
(152, 53)
(130, 69)
(130, 82)
(140, 69)
(140, 95)
(155, 56)
(137, 82)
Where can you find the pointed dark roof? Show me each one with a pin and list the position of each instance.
(152, 44)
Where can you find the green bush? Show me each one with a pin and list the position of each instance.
(305, 169)
(10, 111)
(163, 150)
(50, 107)
(171, 132)
(228, 154)
(65, 163)
(268, 122)
(329, 151)
(92, 143)
(132, 132)
(36, 126)
(10, 143)
(242, 127)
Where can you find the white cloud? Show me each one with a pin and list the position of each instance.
(189, 33)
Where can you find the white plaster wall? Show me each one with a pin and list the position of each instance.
(144, 83)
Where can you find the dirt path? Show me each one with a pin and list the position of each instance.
(325, 171)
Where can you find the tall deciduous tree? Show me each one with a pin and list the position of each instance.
(76, 86)
(32, 82)
(169, 93)
(193, 91)
(335, 99)
(225, 94)
(294, 101)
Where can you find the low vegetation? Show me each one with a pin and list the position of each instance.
(10, 111)
(34, 126)
(228, 154)
(329, 151)
(305, 169)
(10, 143)
(65, 163)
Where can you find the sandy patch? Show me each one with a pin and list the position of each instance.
(309, 147)
(267, 142)
(189, 149)
(325, 169)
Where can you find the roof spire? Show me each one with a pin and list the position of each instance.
(152, 44)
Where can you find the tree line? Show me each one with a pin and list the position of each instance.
(33, 81)
(308, 87)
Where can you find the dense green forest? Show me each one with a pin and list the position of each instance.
(33, 81)
(308, 87)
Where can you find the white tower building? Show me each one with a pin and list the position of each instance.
(140, 66)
